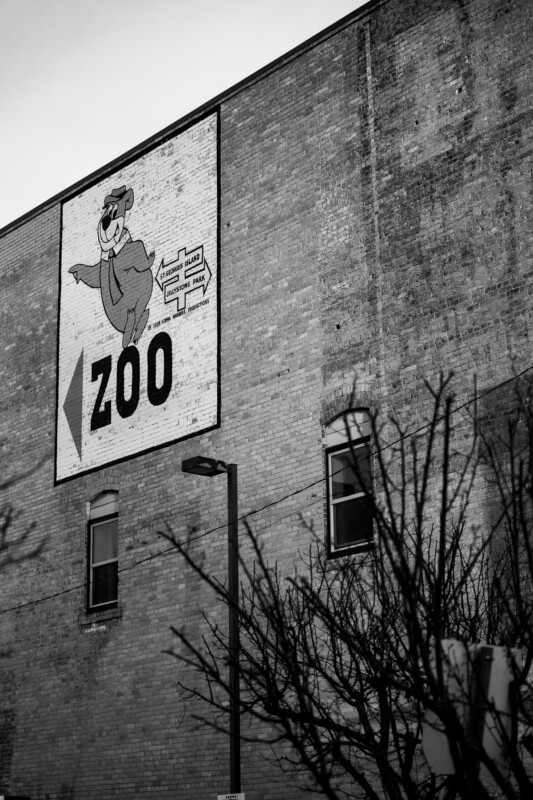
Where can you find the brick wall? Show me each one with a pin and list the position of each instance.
(375, 220)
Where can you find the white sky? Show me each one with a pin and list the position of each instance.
(83, 81)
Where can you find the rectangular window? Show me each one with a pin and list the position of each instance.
(103, 563)
(350, 508)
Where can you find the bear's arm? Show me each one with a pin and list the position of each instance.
(90, 275)
(139, 258)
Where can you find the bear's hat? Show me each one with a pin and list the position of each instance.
(117, 195)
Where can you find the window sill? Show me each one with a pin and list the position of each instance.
(98, 620)
(351, 550)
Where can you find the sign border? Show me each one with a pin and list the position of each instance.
(95, 179)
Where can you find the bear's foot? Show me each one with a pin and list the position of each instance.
(141, 326)
(129, 329)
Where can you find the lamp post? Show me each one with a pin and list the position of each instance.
(210, 467)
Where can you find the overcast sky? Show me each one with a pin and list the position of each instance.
(83, 81)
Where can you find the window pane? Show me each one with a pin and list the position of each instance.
(104, 505)
(348, 477)
(105, 582)
(105, 541)
(353, 521)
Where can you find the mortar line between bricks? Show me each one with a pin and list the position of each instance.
(378, 275)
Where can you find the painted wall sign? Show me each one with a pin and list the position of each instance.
(138, 307)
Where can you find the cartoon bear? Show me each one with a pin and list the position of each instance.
(123, 273)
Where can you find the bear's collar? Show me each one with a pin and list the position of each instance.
(124, 239)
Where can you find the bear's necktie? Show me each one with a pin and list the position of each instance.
(114, 285)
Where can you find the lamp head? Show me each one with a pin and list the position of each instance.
(201, 465)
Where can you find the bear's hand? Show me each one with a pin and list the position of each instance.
(151, 257)
(89, 275)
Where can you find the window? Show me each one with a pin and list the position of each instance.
(349, 472)
(103, 552)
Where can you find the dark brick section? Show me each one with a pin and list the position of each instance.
(7, 730)
(376, 217)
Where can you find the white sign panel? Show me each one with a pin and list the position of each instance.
(138, 306)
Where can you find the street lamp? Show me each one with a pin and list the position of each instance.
(210, 467)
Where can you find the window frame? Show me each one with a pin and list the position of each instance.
(94, 520)
(344, 443)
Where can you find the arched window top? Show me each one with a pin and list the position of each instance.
(105, 504)
(356, 421)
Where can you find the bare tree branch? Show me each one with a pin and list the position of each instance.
(347, 662)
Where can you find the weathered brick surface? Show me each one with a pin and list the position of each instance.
(376, 217)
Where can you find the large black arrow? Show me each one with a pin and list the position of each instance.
(73, 405)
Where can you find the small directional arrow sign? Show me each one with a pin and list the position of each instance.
(187, 273)
(178, 290)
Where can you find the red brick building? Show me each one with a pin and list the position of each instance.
(361, 209)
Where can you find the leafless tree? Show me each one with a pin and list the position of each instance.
(349, 662)
(15, 544)
(16, 541)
